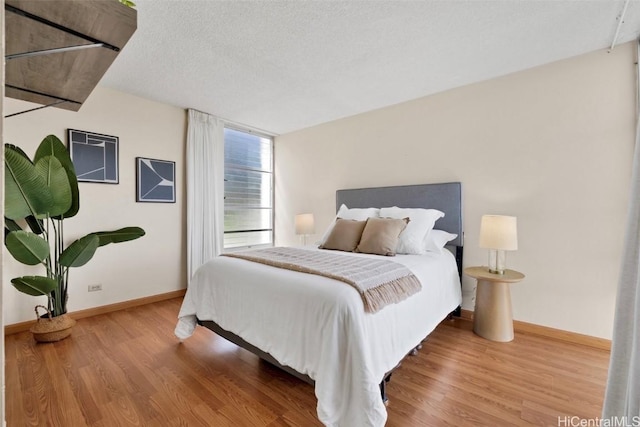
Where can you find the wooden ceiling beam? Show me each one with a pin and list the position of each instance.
(49, 46)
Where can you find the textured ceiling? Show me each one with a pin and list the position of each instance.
(286, 65)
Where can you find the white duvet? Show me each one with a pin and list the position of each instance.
(318, 325)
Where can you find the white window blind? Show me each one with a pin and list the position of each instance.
(248, 189)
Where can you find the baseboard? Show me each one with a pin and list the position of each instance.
(557, 334)
(104, 309)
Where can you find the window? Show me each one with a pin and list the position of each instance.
(248, 189)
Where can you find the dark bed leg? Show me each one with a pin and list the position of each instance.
(455, 313)
(383, 389)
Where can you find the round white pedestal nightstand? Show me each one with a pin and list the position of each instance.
(493, 317)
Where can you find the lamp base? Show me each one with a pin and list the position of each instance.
(497, 260)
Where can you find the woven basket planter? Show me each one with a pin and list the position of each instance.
(51, 329)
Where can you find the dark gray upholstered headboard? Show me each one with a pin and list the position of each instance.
(445, 197)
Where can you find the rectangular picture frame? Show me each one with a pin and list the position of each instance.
(94, 155)
(155, 180)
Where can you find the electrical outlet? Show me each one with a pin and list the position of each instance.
(94, 288)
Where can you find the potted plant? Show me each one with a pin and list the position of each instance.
(40, 195)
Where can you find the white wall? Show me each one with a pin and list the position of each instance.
(152, 265)
(551, 145)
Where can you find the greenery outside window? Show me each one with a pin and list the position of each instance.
(248, 189)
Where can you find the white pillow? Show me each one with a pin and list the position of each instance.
(359, 214)
(421, 221)
(436, 240)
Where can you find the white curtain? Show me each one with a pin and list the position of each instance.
(205, 189)
(622, 397)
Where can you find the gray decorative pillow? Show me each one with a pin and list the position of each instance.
(345, 235)
(380, 236)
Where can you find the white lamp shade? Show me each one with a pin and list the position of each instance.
(499, 232)
(305, 224)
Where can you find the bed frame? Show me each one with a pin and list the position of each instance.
(446, 197)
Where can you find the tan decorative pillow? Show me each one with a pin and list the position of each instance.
(345, 235)
(380, 236)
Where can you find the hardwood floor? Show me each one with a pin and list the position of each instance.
(127, 369)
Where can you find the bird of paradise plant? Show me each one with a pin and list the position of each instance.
(40, 195)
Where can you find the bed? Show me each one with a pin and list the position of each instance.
(315, 328)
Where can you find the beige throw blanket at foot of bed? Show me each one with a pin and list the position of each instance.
(379, 281)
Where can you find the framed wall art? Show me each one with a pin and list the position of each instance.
(94, 156)
(155, 180)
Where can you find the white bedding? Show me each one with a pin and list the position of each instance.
(318, 325)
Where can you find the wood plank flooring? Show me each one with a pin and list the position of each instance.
(127, 369)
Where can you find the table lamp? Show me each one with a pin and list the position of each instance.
(498, 233)
(305, 225)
